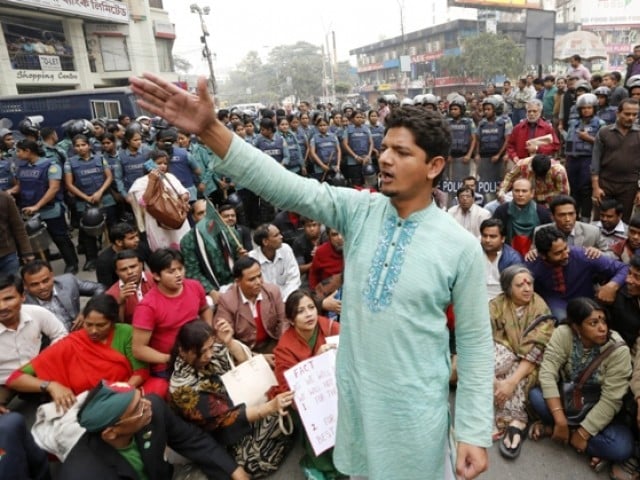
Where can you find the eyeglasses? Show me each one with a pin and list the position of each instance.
(137, 415)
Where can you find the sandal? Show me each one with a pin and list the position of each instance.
(512, 452)
(598, 465)
(539, 430)
(625, 471)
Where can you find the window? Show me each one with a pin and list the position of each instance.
(115, 56)
(155, 3)
(165, 60)
(105, 108)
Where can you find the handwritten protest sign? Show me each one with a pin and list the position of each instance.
(316, 396)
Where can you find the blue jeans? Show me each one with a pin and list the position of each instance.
(22, 457)
(9, 264)
(614, 442)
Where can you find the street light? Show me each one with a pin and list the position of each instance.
(206, 53)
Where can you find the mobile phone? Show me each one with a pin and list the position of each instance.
(150, 165)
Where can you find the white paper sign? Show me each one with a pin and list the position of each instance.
(316, 396)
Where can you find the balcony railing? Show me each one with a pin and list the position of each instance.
(34, 61)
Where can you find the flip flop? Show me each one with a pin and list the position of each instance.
(512, 453)
(625, 471)
(538, 430)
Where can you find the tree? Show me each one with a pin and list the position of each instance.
(181, 65)
(485, 56)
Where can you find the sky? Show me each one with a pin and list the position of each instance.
(237, 28)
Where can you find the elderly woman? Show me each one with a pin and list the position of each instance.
(522, 326)
(101, 350)
(570, 352)
(197, 393)
(306, 338)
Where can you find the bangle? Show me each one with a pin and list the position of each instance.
(582, 435)
(556, 409)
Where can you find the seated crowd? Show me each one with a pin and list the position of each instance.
(140, 366)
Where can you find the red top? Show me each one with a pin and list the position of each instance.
(293, 349)
(517, 146)
(326, 262)
(146, 284)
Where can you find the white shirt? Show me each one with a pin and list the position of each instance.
(471, 219)
(20, 346)
(252, 305)
(283, 271)
(493, 276)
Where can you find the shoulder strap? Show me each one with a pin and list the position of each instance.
(595, 363)
(537, 321)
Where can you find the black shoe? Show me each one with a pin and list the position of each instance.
(80, 249)
(90, 266)
(71, 269)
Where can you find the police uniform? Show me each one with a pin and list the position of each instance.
(462, 131)
(303, 143)
(579, 154)
(491, 138)
(294, 164)
(7, 173)
(360, 141)
(130, 167)
(377, 134)
(183, 166)
(608, 114)
(326, 148)
(89, 177)
(34, 183)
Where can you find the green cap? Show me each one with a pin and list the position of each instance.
(105, 405)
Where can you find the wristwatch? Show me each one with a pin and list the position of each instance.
(44, 386)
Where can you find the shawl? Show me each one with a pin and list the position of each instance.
(508, 329)
(79, 363)
(523, 220)
(200, 397)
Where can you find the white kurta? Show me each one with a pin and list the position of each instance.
(393, 362)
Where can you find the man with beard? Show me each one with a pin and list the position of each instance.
(132, 285)
(328, 260)
(611, 226)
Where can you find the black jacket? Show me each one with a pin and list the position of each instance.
(92, 458)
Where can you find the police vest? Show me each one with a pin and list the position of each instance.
(132, 166)
(608, 115)
(460, 136)
(295, 153)
(34, 183)
(6, 174)
(491, 136)
(358, 139)
(179, 166)
(88, 175)
(327, 148)
(274, 147)
(301, 137)
(377, 134)
(575, 145)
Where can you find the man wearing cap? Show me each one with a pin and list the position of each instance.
(127, 434)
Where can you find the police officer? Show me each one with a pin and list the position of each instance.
(325, 151)
(88, 176)
(579, 148)
(181, 164)
(606, 112)
(8, 181)
(493, 134)
(130, 162)
(39, 185)
(463, 143)
(357, 145)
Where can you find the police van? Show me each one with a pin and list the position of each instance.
(58, 107)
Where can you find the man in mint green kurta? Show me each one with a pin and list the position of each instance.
(405, 261)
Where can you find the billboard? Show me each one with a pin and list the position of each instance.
(610, 12)
(497, 4)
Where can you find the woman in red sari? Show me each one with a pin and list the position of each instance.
(101, 350)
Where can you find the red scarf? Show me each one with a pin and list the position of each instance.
(79, 363)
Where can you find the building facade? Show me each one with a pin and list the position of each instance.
(53, 45)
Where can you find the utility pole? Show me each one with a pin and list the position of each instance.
(206, 52)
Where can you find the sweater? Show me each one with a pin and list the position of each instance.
(326, 262)
(13, 236)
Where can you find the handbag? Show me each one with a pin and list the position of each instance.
(250, 381)
(170, 212)
(578, 398)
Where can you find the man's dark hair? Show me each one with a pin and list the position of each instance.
(560, 200)
(464, 188)
(224, 207)
(635, 261)
(118, 231)
(26, 144)
(122, 117)
(493, 222)
(161, 259)
(268, 123)
(47, 132)
(538, 81)
(549, 78)
(635, 221)
(242, 264)
(576, 57)
(545, 238)
(609, 203)
(596, 77)
(616, 76)
(627, 101)
(261, 234)
(12, 280)
(34, 266)
(430, 131)
(540, 164)
(126, 255)
(222, 114)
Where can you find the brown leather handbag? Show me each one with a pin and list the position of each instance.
(169, 211)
